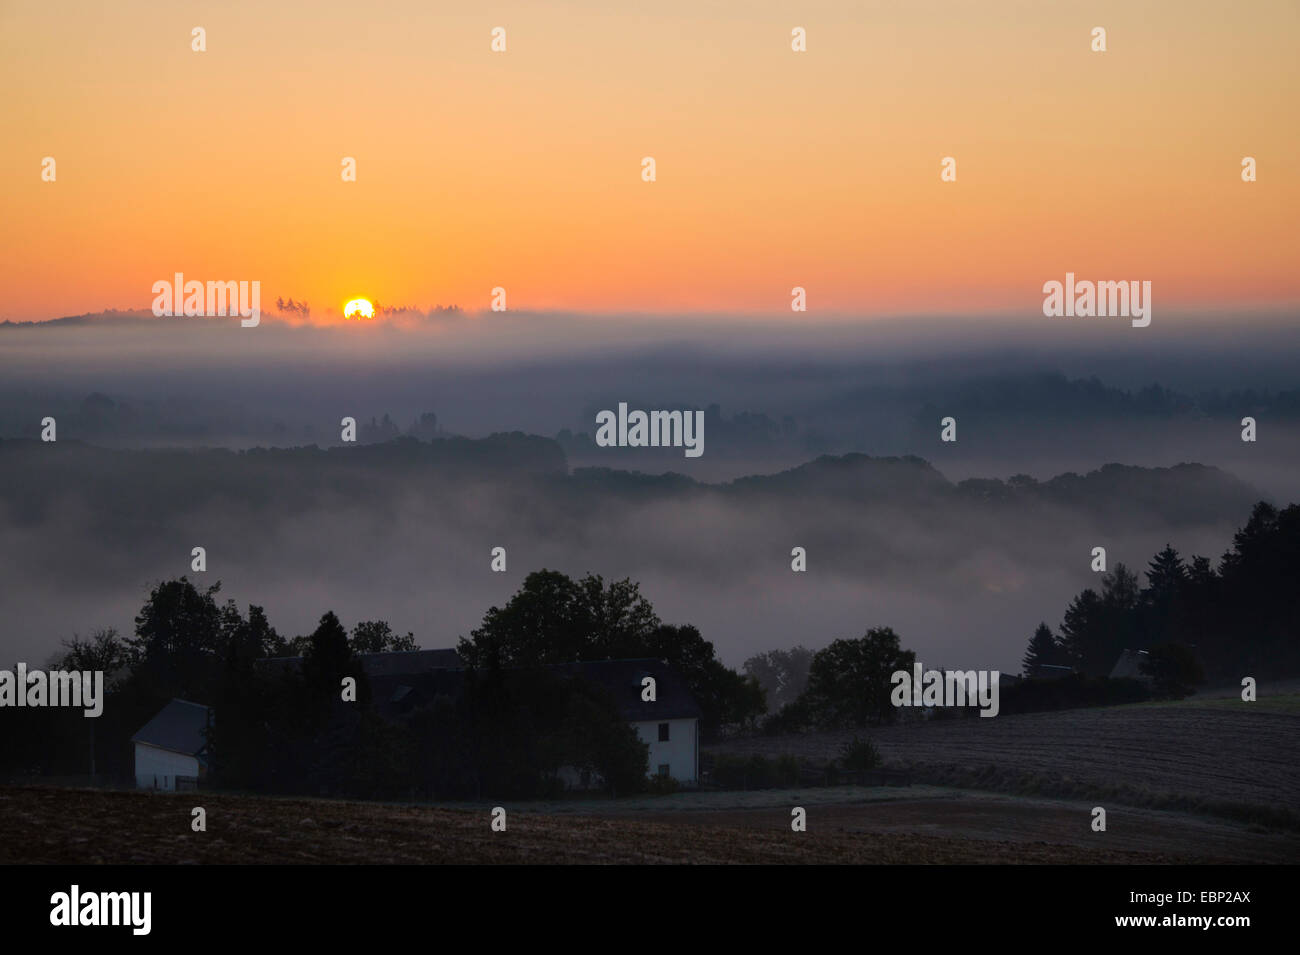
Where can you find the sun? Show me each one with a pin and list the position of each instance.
(358, 308)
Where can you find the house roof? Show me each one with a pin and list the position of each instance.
(403, 679)
(622, 678)
(1129, 666)
(179, 726)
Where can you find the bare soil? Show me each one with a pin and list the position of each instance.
(1195, 782)
(46, 825)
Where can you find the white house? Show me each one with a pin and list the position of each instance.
(674, 747)
(171, 749)
(669, 724)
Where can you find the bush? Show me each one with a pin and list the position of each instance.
(859, 753)
(1174, 671)
(791, 718)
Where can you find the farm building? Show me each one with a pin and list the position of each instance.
(1129, 666)
(670, 724)
(402, 681)
(171, 749)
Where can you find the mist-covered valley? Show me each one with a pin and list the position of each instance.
(476, 432)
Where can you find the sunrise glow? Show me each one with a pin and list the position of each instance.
(358, 308)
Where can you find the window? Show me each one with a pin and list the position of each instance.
(663, 732)
(663, 770)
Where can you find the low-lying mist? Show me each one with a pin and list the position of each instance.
(400, 527)
(403, 531)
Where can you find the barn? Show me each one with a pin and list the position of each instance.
(1129, 666)
(171, 749)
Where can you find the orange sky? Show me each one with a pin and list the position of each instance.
(775, 169)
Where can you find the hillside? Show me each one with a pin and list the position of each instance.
(1215, 757)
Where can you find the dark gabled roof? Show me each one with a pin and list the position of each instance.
(386, 664)
(180, 727)
(399, 681)
(1129, 666)
(622, 678)
(392, 693)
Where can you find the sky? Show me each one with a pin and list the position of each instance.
(775, 169)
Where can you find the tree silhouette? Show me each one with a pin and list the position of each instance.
(1173, 669)
(376, 636)
(849, 680)
(1043, 650)
(1243, 618)
(178, 636)
(328, 661)
(1083, 634)
(782, 674)
(1166, 574)
(554, 619)
(104, 651)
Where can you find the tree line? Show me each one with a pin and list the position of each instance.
(1197, 622)
(509, 724)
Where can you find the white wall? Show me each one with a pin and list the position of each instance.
(158, 768)
(680, 752)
